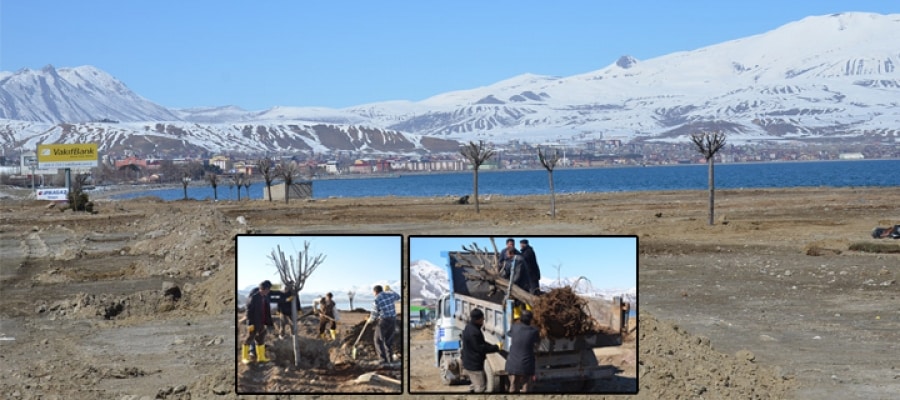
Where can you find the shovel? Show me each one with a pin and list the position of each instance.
(353, 352)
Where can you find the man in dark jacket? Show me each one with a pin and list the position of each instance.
(326, 318)
(520, 362)
(514, 269)
(531, 265)
(259, 316)
(474, 351)
(504, 258)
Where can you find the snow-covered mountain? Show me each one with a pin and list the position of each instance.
(823, 77)
(78, 94)
(362, 299)
(427, 282)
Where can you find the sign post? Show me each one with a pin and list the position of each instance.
(67, 156)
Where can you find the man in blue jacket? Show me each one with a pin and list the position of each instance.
(474, 351)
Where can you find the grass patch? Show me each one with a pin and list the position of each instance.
(869, 247)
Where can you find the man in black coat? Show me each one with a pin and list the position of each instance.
(531, 265)
(520, 362)
(259, 316)
(474, 351)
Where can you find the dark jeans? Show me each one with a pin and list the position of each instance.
(384, 338)
(256, 337)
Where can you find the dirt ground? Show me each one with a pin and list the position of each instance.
(325, 366)
(137, 301)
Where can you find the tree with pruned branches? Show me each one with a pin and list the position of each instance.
(267, 168)
(238, 180)
(477, 154)
(549, 162)
(214, 182)
(351, 294)
(709, 144)
(248, 180)
(287, 170)
(294, 273)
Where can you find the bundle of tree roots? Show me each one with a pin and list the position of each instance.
(560, 314)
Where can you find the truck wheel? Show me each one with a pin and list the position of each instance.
(449, 371)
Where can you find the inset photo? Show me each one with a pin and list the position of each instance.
(523, 314)
(319, 314)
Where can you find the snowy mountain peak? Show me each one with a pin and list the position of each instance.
(427, 282)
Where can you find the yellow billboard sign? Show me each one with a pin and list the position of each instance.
(67, 155)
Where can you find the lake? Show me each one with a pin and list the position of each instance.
(612, 179)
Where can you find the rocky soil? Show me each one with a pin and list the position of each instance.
(787, 296)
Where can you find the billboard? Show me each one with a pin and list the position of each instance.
(55, 194)
(56, 156)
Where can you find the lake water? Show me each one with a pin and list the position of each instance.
(618, 179)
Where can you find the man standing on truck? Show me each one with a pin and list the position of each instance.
(520, 362)
(531, 265)
(474, 351)
(386, 314)
(510, 245)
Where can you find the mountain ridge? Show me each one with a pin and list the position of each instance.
(821, 77)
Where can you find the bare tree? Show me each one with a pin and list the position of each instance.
(238, 179)
(558, 267)
(709, 144)
(214, 182)
(248, 180)
(267, 169)
(549, 163)
(185, 181)
(287, 170)
(351, 294)
(477, 154)
(294, 273)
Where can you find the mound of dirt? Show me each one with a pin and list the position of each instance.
(674, 364)
(366, 346)
(107, 306)
(560, 314)
(313, 353)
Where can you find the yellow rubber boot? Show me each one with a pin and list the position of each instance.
(261, 353)
(245, 354)
(516, 313)
(334, 334)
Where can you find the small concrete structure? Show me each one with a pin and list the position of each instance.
(299, 190)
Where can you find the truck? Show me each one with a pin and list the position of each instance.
(562, 364)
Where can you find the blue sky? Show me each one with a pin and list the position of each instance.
(258, 55)
(350, 260)
(608, 262)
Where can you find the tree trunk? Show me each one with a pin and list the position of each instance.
(477, 210)
(185, 192)
(215, 193)
(269, 190)
(712, 190)
(287, 192)
(294, 331)
(552, 197)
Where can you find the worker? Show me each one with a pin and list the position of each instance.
(386, 315)
(327, 318)
(259, 316)
(531, 265)
(474, 351)
(504, 258)
(520, 362)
